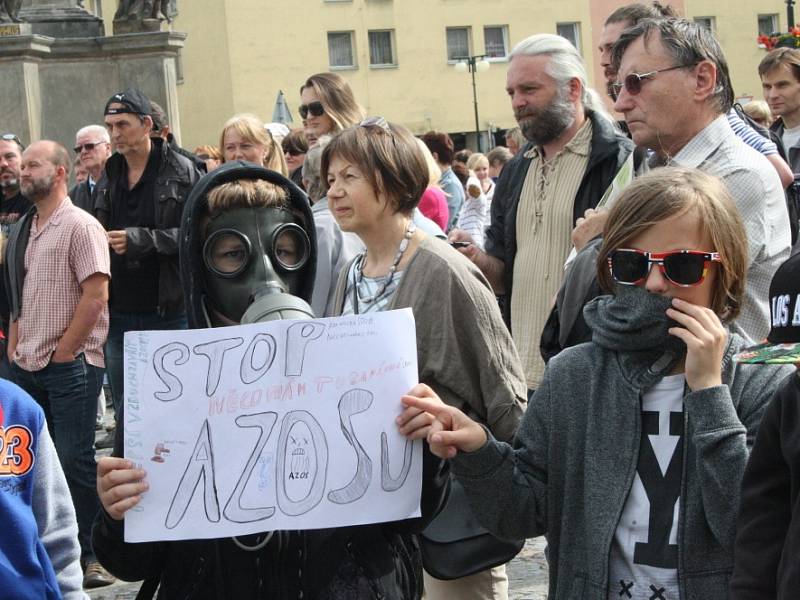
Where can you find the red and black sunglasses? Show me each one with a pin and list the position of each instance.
(684, 268)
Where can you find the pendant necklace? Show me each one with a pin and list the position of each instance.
(410, 229)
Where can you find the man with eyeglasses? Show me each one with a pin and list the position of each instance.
(92, 149)
(673, 67)
(148, 183)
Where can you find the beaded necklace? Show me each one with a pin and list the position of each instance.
(410, 229)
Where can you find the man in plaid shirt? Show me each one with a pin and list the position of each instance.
(58, 268)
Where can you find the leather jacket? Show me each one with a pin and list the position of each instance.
(176, 177)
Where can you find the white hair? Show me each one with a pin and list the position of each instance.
(100, 131)
(565, 65)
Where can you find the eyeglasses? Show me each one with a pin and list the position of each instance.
(684, 268)
(89, 146)
(12, 137)
(633, 82)
(315, 108)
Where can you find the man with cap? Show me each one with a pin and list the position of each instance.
(768, 528)
(148, 183)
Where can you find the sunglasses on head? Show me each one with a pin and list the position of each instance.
(89, 146)
(684, 268)
(633, 82)
(11, 137)
(315, 108)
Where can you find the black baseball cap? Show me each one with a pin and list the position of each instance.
(782, 345)
(133, 101)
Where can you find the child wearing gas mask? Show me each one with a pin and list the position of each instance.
(247, 255)
(631, 453)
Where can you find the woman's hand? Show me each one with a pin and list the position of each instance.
(450, 430)
(705, 338)
(119, 485)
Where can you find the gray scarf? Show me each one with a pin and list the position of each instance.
(633, 322)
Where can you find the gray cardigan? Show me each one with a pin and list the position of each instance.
(575, 455)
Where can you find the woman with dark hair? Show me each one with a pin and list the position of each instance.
(631, 454)
(377, 175)
(295, 147)
(441, 147)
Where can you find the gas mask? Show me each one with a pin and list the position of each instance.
(254, 261)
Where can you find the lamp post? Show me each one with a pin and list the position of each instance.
(473, 64)
(789, 14)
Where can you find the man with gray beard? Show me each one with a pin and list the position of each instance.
(572, 157)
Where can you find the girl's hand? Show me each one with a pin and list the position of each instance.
(119, 485)
(450, 430)
(705, 338)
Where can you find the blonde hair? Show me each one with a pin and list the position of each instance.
(434, 172)
(670, 191)
(475, 159)
(246, 193)
(252, 128)
(759, 111)
(337, 99)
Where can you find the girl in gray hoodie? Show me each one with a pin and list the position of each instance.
(630, 455)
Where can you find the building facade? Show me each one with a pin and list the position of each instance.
(400, 55)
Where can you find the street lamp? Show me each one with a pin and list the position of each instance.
(472, 64)
(789, 14)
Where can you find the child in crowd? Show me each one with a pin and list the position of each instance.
(631, 453)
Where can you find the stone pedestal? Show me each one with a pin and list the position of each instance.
(51, 87)
(60, 18)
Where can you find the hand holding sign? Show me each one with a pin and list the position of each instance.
(451, 430)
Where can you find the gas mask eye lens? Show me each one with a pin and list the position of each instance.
(227, 252)
(290, 247)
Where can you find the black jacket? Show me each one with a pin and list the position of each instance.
(176, 178)
(767, 549)
(82, 198)
(791, 155)
(609, 151)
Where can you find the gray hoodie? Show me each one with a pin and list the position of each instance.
(573, 460)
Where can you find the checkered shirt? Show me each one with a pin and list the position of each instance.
(756, 189)
(70, 247)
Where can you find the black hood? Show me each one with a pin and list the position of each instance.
(191, 240)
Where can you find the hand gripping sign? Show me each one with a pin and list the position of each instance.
(278, 425)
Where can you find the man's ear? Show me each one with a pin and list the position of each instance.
(575, 89)
(705, 80)
(147, 121)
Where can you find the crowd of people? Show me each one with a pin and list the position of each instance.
(590, 301)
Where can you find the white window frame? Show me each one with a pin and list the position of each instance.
(774, 18)
(393, 46)
(506, 49)
(452, 61)
(711, 21)
(351, 67)
(576, 28)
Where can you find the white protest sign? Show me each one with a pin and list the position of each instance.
(271, 426)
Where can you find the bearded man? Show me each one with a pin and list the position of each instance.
(572, 156)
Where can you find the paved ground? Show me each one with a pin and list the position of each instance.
(527, 573)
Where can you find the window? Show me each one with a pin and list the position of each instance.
(381, 48)
(340, 50)
(458, 45)
(570, 31)
(495, 40)
(707, 22)
(767, 24)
